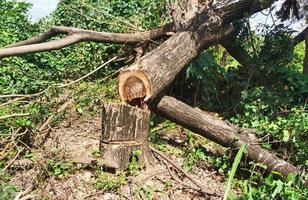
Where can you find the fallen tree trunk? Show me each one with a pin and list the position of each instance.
(200, 27)
(157, 69)
(220, 132)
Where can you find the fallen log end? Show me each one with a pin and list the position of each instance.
(134, 86)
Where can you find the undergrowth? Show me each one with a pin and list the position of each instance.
(269, 95)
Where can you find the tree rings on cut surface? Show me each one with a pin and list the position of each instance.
(134, 84)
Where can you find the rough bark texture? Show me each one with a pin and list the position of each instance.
(173, 54)
(199, 28)
(124, 130)
(220, 132)
(157, 69)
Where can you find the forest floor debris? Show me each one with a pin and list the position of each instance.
(76, 176)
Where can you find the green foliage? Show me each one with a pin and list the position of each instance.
(235, 164)
(135, 164)
(273, 188)
(7, 191)
(59, 169)
(193, 156)
(108, 182)
(146, 192)
(269, 94)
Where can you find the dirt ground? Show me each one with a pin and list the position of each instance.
(77, 144)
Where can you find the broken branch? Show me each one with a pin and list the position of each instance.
(37, 44)
(183, 172)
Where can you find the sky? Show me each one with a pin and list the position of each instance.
(42, 8)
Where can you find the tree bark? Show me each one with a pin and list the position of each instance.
(75, 35)
(197, 29)
(124, 131)
(238, 53)
(150, 75)
(221, 132)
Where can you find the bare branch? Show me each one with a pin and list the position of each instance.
(85, 76)
(241, 9)
(75, 35)
(38, 39)
(301, 36)
(14, 115)
(201, 188)
(41, 47)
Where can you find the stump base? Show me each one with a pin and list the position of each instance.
(125, 130)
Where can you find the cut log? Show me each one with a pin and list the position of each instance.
(124, 130)
(221, 132)
(157, 69)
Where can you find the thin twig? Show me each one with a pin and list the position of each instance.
(62, 108)
(185, 173)
(13, 160)
(23, 194)
(112, 74)
(92, 72)
(15, 133)
(63, 85)
(14, 115)
(181, 182)
(11, 101)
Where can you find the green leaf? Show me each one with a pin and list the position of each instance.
(235, 164)
(286, 135)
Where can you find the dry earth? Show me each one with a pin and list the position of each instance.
(76, 144)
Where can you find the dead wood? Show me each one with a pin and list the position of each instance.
(14, 115)
(221, 132)
(198, 28)
(38, 44)
(125, 130)
(201, 188)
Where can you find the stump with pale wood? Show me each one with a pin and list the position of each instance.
(125, 130)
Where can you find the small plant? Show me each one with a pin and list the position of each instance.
(135, 166)
(59, 169)
(146, 192)
(272, 188)
(193, 157)
(7, 191)
(95, 153)
(108, 182)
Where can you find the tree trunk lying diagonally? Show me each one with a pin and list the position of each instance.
(199, 28)
(124, 131)
(220, 132)
(156, 70)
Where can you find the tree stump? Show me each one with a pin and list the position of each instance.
(124, 130)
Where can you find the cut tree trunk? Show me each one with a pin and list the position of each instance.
(221, 132)
(124, 131)
(150, 75)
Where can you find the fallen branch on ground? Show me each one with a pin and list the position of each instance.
(61, 109)
(13, 160)
(14, 115)
(201, 188)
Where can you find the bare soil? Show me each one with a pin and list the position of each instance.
(76, 143)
